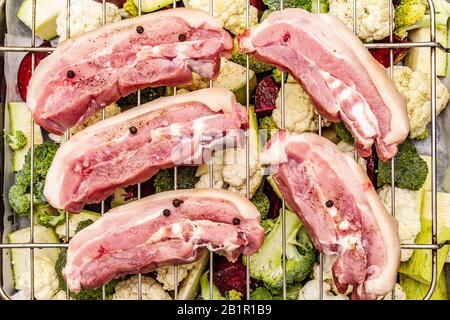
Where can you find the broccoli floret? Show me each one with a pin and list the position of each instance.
(423, 136)
(266, 264)
(415, 14)
(49, 217)
(17, 140)
(186, 179)
(43, 157)
(407, 13)
(147, 95)
(19, 200)
(131, 8)
(253, 63)
(276, 75)
(275, 4)
(267, 126)
(261, 293)
(84, 294)
(410, 169)
(324, 6)
(83, 224)
(343, 133)
(267, 225)
(262, 203)
(233, 295)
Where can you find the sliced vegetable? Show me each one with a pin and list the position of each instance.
(152, 5)
(20, 120)
(418, 59)
(418, 267)
(233, 76)
(46, 14)
(74, 220)
(416, 290)
(205, 292)
(24, 73)
(20, 258)
(266, 95)
(383, 55)
(189, 287)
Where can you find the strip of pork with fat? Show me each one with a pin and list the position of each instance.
(168, 228)
(336, 201)
(90, 71)
(131, 147)
(344, 81)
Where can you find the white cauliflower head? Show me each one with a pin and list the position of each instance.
(151, 290)
(166, 275)
(46, 283)
(300, 113)
(311, 289)
(230, 13)
(85, 15)
(406, 213)
(372, 17)
(230, 168)
(416, 88)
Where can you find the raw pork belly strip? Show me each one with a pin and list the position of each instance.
(131, 147)
(337, 203)
(92, 70)
(168, 228)
(344, 81)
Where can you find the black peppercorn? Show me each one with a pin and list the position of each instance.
(182, 37)
(133, 130)
(236, 221)
(166, 212)
(329, 203)
(70, 74)
(177, 202)
(139, 29)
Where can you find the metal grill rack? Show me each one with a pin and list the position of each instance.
(433, 245)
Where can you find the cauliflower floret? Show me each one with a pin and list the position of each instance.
(111, 110)
(230, 169)
(416, 88)
(310, 291)
(151, 290)
(45, 279)
(399, 294)
(372, 17)
(230, 13)
(85, 15)
(301, 115)
(406, 213)
(165, 275)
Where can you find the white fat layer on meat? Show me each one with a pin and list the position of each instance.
(350, 241)
(344, 224)
(361, 111)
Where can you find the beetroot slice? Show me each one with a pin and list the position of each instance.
(266, 95)
(382, 55)
(24, 74)
(230, 276)
(258, 4)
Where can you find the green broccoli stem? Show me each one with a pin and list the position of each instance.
(266, 264)
(204, 288)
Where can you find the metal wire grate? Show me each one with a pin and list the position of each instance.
(434, 246)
